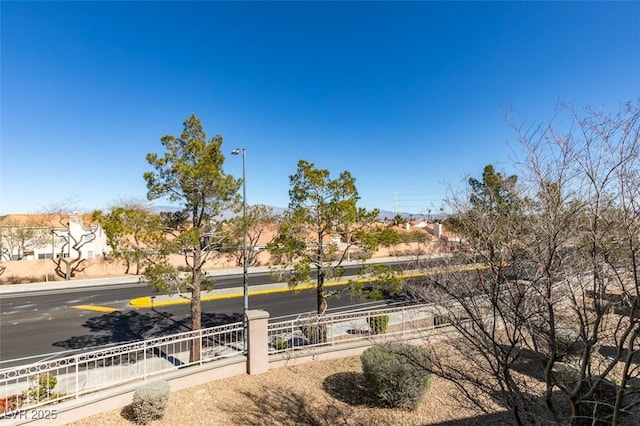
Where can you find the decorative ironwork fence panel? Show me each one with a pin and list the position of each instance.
(42, 383)
(310, 330)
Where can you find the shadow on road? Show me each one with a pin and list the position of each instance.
(122, 327)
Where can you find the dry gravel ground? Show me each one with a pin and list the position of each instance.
(318, 393)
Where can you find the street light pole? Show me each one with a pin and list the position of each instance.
(245, 278)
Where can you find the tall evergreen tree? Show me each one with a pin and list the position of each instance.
(322, 209)
(190, 173)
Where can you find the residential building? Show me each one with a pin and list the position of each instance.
(47, 236)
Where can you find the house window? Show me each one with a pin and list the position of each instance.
(45, 256)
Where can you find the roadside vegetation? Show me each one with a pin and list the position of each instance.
(550, 329)
(322, 208)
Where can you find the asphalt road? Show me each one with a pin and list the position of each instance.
(44, 324)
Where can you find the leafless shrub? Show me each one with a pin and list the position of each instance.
(548, 274)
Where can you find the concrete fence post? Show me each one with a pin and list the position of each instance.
(257, 341)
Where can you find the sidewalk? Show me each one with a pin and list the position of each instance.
(104, 281)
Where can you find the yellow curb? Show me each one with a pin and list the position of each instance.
(146, 301)
(96, 308)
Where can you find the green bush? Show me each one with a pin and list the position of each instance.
(378, 323)
(315, 333)
(150, 402)
(396, 375)
(280, 345)
(44, 387)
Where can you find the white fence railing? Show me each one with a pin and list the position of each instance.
(42, 383)
(329, 330)
(38, 384)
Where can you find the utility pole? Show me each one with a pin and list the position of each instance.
(395, 203)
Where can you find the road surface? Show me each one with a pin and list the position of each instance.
(65, 321)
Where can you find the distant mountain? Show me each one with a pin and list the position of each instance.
(387, 215)
(384, 214)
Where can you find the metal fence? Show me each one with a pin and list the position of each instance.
(72, 376)
(310, 330)
(42, 383)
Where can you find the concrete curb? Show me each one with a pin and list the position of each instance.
(91, 282)
(63, 285)
(256, 290)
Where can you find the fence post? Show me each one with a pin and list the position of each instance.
(333, 335)
(257, 341)
(144, 359)
(292, 333)
(77, 378)
(200, 343)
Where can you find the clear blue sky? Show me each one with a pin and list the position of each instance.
(406, 96)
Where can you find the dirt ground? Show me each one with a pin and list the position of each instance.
(319, 393)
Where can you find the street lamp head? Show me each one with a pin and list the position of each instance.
(235, 151)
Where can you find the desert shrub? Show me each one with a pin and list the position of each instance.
(378, 323)
(43, 387)
(408, 252)
(599, 405)
(10, 403)
(396, 375)
(150, 402)
(14, 279)
(359, 255)
(315, 333)
(280, 345)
